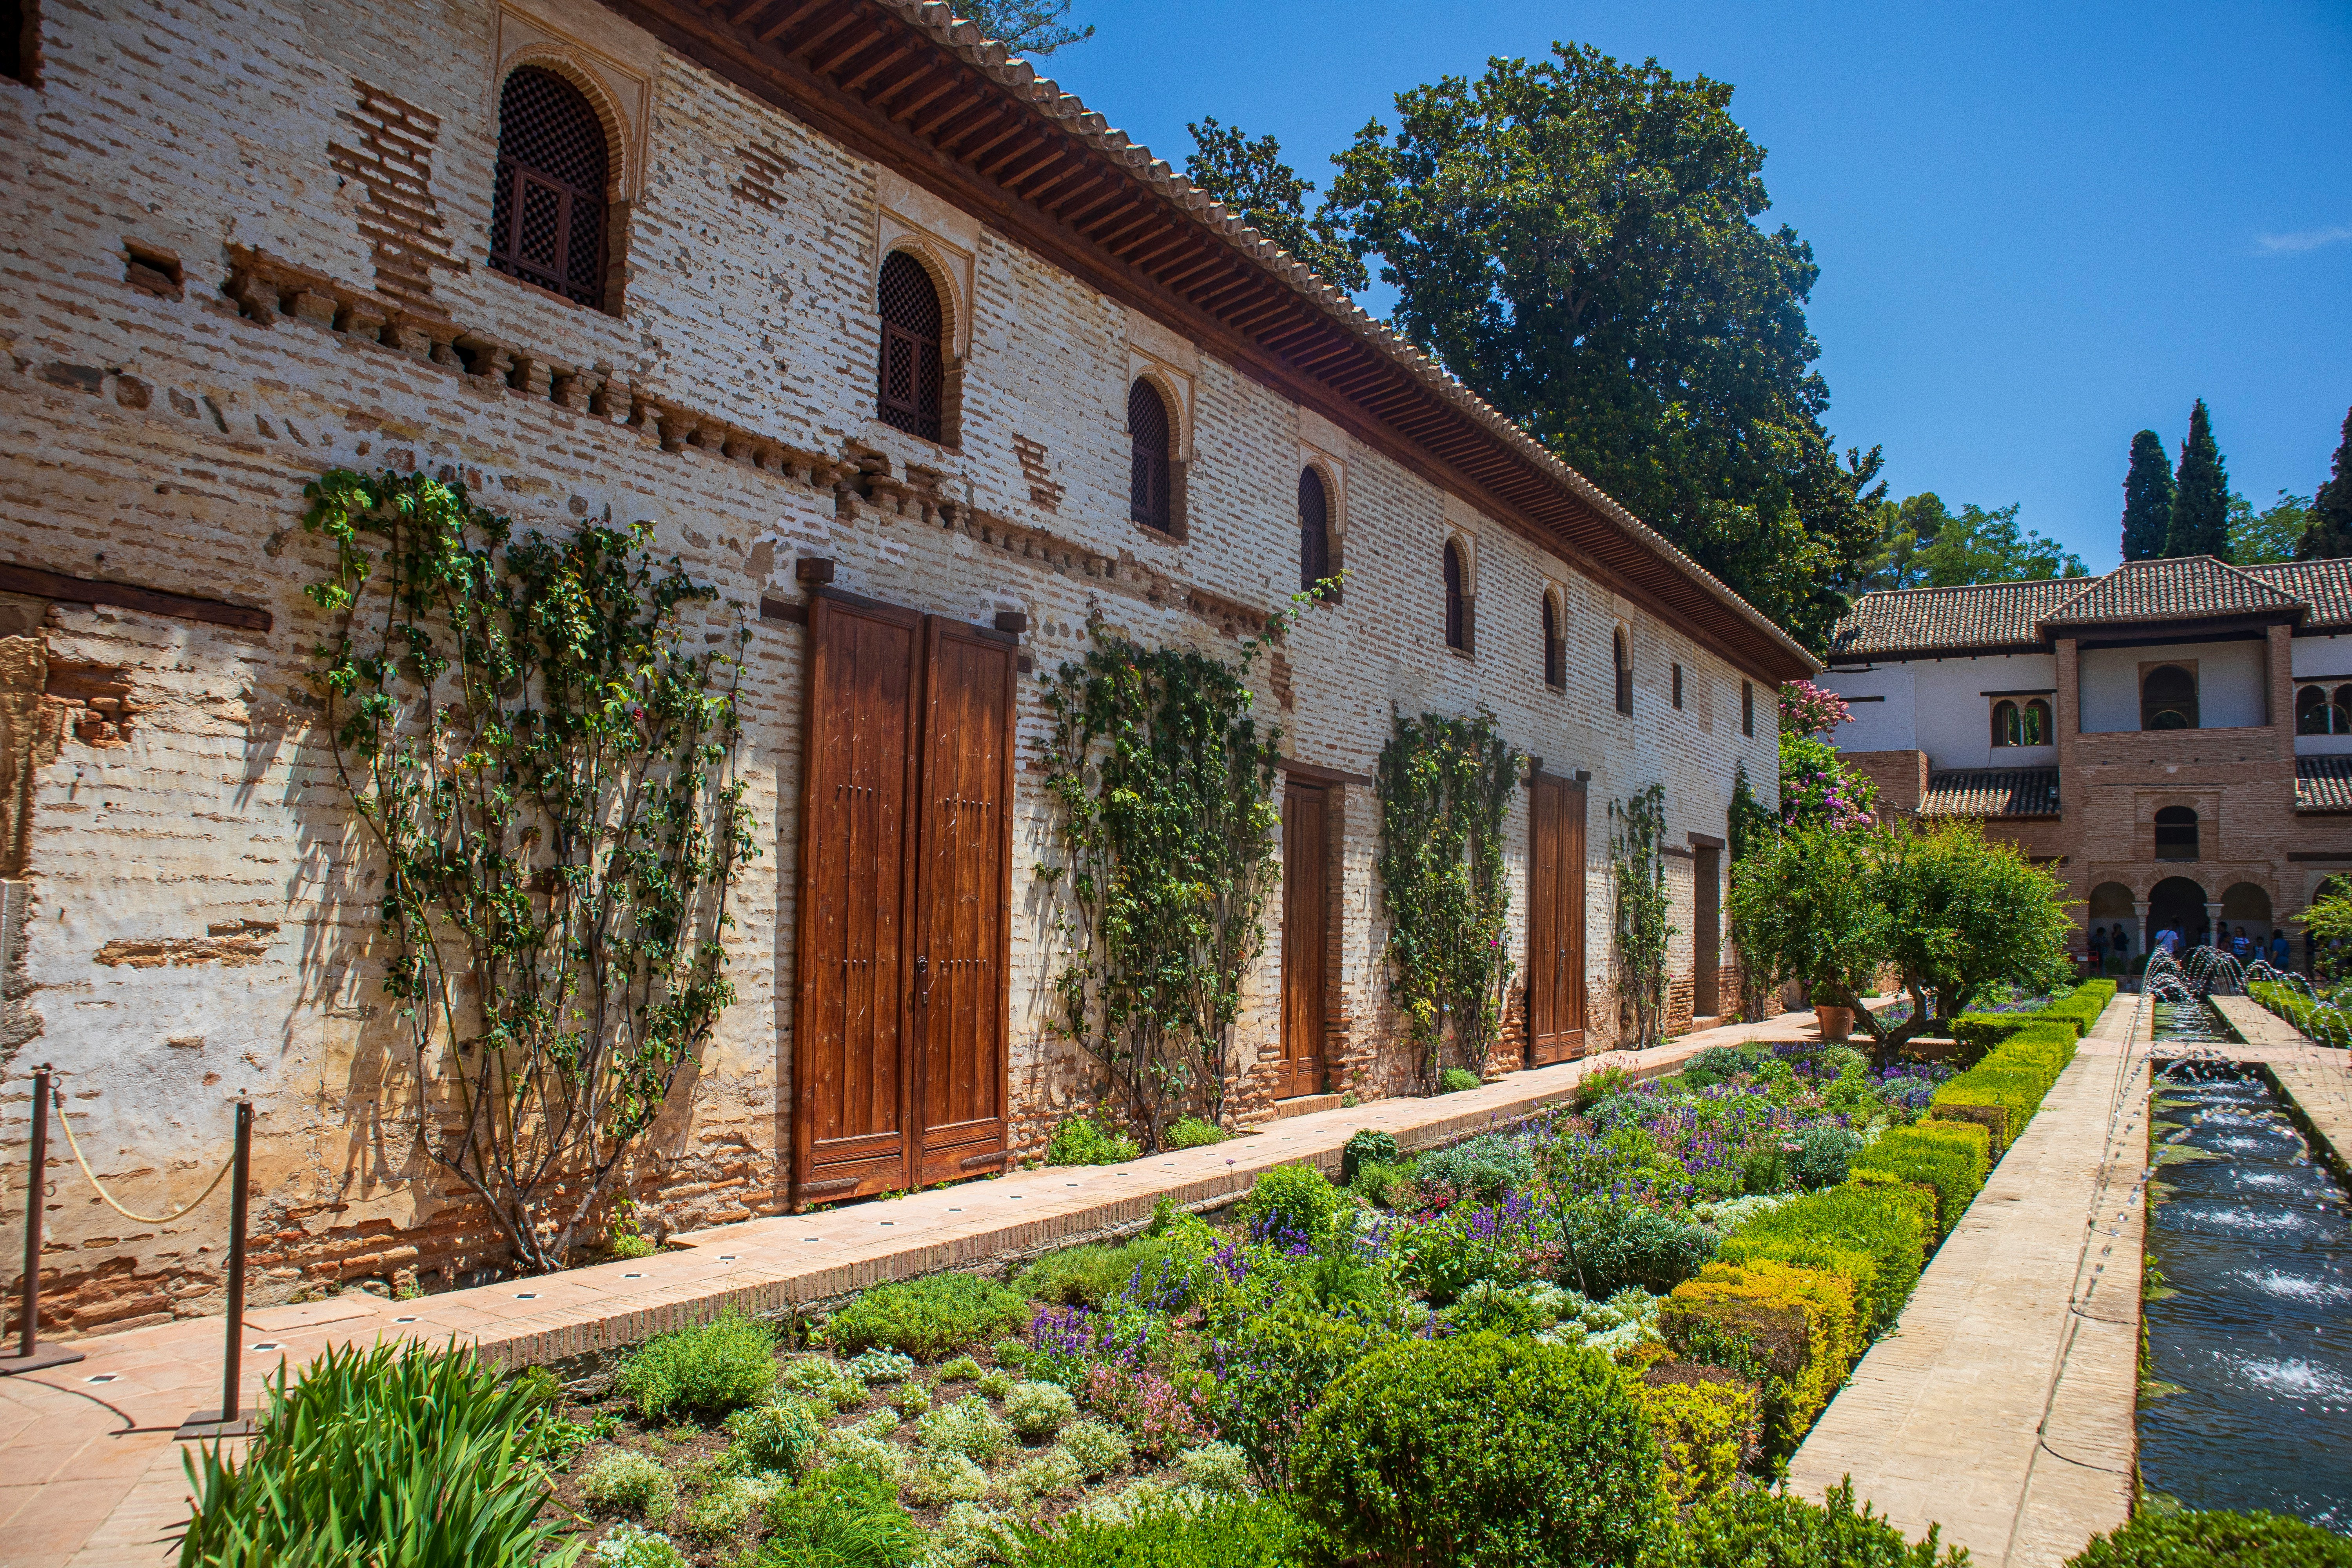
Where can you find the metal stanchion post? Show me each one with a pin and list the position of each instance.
(30, 1356)
(230, 1421)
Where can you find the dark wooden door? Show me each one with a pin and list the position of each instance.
(1306, 930)
(906, 870)
(963, 900)
(1706, 936)
(1554, 922)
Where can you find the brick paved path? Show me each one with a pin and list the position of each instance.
(89, 1476)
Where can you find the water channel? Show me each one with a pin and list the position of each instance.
(2247, 1398)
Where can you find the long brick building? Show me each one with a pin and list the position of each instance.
(887, 338)
(2173, 737)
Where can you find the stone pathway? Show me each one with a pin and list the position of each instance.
(89, 1476)
(2002, 1405)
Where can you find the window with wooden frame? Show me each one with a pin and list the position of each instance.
(1457, 620)
(1314, 532)
(911, 378)
(547, 213)
(1151, 439)
(1623, 659)
(1748, 708)
(1678, 686)
(1555, 645)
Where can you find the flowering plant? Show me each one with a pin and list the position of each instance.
(1807, 709)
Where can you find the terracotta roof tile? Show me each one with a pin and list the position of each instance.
(2324, 586)
(1990, 617)
(1991, 792)
(2173, 589)
(2323, 784)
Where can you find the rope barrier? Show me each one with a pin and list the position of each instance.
(75, 1145)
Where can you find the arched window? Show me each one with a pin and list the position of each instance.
(1150, 433)
(912, 326)
(1314, 530)
(547, 213)
(2024, 723)
(2004, 724)
(1458, 630)
(2168, 699)
(2176, 834)
(1625, 663)
(2318, 711)
(1555, 646)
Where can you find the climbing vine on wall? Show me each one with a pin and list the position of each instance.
(1444, 784)
(538, 738)
(1751, 824)
(1638, 861)
(1163, 788)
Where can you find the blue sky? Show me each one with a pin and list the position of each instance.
(2040, 227)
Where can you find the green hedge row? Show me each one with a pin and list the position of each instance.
(2079, 1009)
(2323, 1024)
(2004, 1090)
(1950, 1158)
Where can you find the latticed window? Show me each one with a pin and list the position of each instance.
(1149, 432)
(1314, 530)
(1555, 645)
(1457, 627)
(1624, 664)
(912, 327)
(547, 215)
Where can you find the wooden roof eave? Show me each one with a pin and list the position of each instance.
(1506, 484)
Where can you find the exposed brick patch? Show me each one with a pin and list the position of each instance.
(765, 169)
(400, 218)
(1037, 471)
(154, 953)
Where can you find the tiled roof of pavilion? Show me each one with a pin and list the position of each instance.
(2323, 784)
(2020, 617)
(1991, 792)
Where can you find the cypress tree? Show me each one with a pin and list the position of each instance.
(2329, 532)
(2200, 495)
(2147, 497)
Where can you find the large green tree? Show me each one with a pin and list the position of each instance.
(2147, 497)
(2200, 494)
(1923, 544)
(2329, 532)
(2273, 533)
(1266, 194)
(1577, 240)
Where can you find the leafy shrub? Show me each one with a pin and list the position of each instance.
(1498, 1308)
(968, 1428)
(626, 1546)
(1454, 1081)
(1090, 1276)
(841, 1518)
(706, 1370)
(2003, 1091)
(995, 1384)
(1773, 1529)
(1713, 1065)
(1480, 1449)
(1082, 1140)
(1294, 1199)
(971, 1536)
(1622, 1111)
(927, 1319)
(881, 1366)
(1389, 1186)
(1874, 1235)
(2216, 1540)
(1365, 1146)
(780, 1435)
(1192, 1132)
(912, 1399)
(1614, 1243)
(1099, 1449)
(1705, 1426)
(1051, 1474)
(1795, 1331)
(824, 1380)
(938, 1477)
(1600, 1084)
(623, 1482)
(1215, 1468)
(859, 1450)
(1952, 1157)
(1483, 1168)
(1272, 1372)
(727, 1507)
(1165, 1532)
(963, 1369)
(1824, 1154)
(1037, 1410)
(878, 1424)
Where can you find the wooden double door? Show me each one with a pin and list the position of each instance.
(901, 1026)
(1555, 1017)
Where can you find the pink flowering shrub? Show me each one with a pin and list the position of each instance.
(1162, 1417)
(1807, 709)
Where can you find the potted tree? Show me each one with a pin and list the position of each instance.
(1804, 904)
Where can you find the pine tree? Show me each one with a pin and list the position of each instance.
(2329, 532)
(2200, 495)
(2147, 497)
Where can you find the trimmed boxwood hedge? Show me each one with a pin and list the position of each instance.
(2003, 1091)
(1795, 1331)
(1954, 1158)
(2078, 1010)
(1875, 1237)
(2215, 1539)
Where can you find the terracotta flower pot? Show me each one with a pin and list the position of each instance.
(1836, 1023)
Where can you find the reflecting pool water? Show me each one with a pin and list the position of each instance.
(2248, 1403)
